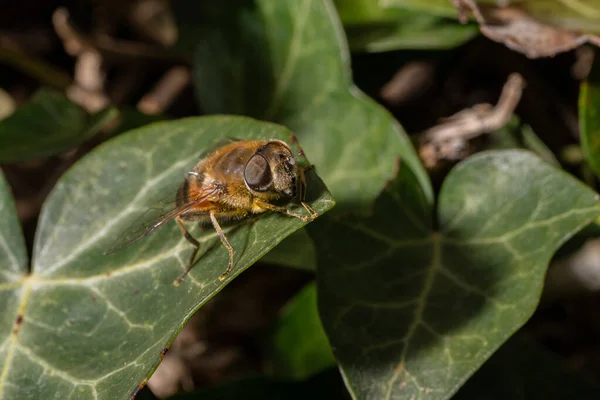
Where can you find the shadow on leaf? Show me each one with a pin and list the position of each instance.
(413, 310)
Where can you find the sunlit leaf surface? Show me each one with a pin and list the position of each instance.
(88, 326)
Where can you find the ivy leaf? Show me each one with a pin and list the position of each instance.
(522, 27)
(13, 262)
(287, 61)
(536, 28)
(517, 135)
(298, 347)
(131, 118)
(412, 311)
(589, 118)
(522, 370)
(582, 16)
(372, 27)
(48, 124)
(434, 7)
(295, 251)
(96, 326)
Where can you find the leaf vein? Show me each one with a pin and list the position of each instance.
(84, 244)
(418, 315)
(120, 312)
(13, 338)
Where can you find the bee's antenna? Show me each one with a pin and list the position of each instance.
(193, 173)
(300, 153)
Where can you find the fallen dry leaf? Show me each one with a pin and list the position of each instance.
(517, 30)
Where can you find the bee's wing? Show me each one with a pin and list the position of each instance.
(219, 143)
(149, 222)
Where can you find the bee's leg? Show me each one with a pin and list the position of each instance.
(294, 139)
(225, 242)
(273, 207)
(196, 244)
(313, 214)
(302, 186)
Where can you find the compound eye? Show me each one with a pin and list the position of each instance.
(257, 174)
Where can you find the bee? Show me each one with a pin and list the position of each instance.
(234, 181)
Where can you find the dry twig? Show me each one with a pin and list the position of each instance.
(412, 79)
(448, 140)
(114, 50)
(154, 19)
(582, 66)
(165, 91)
(481, 118)
(88, 86)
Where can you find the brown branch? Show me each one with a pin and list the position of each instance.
(481, 118)
(75, 42)
(165, 91)
(584, 59)
(449, 140)
(412, 79)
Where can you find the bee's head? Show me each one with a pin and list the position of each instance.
(273, 169)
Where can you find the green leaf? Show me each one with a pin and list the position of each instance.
(516, 135)
(295, 251)
(48, 124)
(589, 118)
(95, 326)
(522, 370)
(373, 28)
(298, 347)
(356, 12)
(13, 262)
(579, 16)
(435, 7)
(131, 118)
(13, 255)
(412, 311)
(287, 61)
(412, 31)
